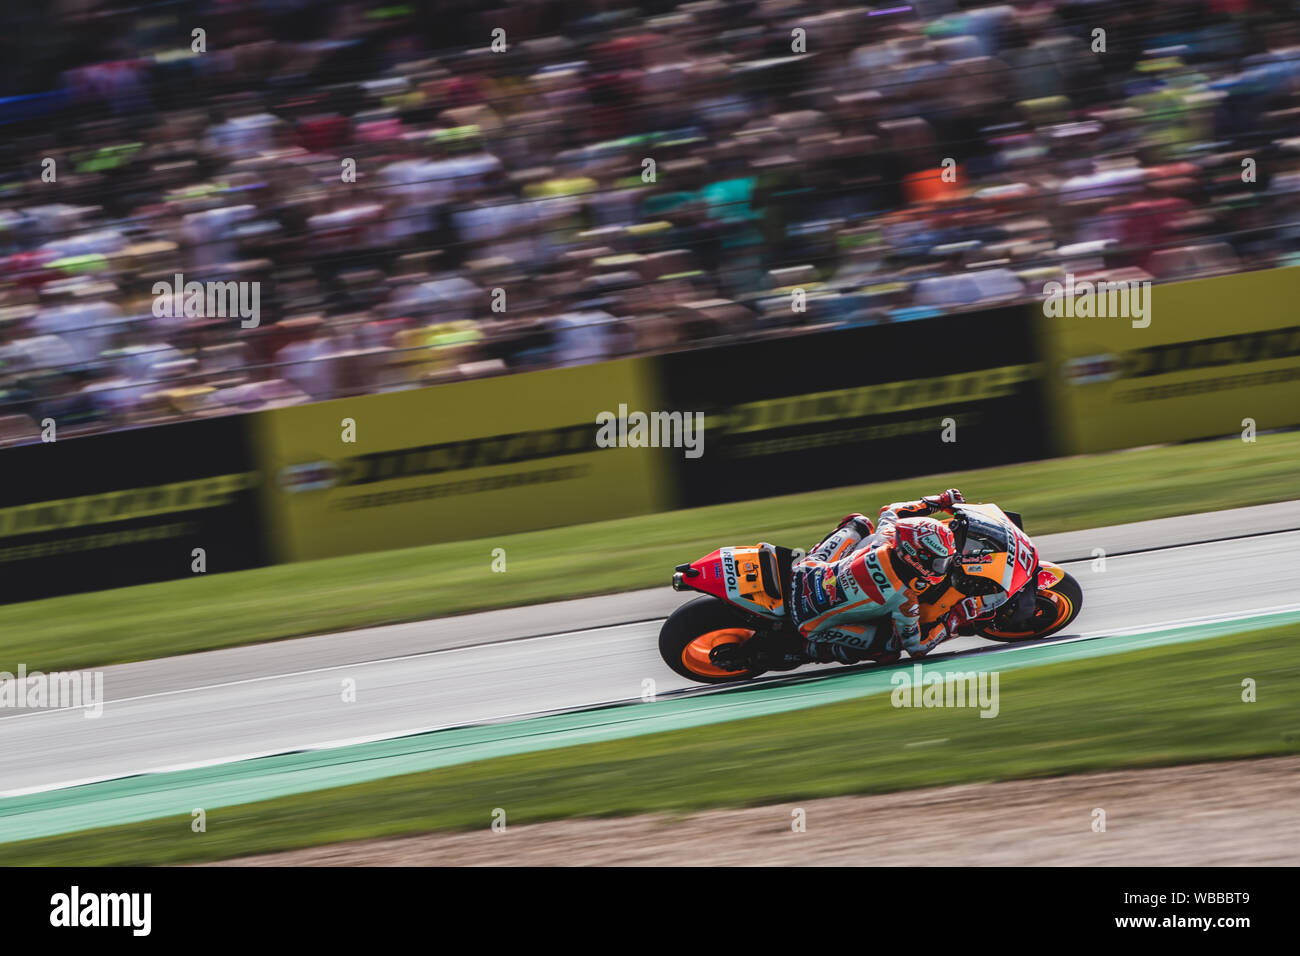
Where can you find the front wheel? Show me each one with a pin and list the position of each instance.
(1056, 607)
(696, 628)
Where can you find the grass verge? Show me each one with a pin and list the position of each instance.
(224, 610)
(1168, 705)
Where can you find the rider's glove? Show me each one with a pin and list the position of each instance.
(940, 631)
(946, 500)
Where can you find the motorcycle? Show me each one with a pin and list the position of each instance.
(997, 587)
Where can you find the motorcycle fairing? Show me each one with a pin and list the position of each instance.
(749, 577)
(995, 548)
(997, 553)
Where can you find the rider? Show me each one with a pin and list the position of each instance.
(854, 596)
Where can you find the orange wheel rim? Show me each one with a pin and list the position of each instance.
(695, 655)
(1062, 611)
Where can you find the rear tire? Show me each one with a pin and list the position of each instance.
(694, 620)
(1054, 612)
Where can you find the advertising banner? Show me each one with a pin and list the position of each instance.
(128, 507)
(452, 462)
(856, 405)
(1212, 354)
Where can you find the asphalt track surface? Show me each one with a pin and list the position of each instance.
(220, 706)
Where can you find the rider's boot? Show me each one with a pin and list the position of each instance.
(766, 650)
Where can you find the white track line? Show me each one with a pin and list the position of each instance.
(397, 734)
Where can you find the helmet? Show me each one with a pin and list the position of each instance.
(925, 545)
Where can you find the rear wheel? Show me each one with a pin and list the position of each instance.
(1055, 608)
(696, 628)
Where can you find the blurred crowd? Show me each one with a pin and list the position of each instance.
(427, 192)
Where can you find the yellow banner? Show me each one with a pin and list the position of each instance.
(1216, 352)
(458, 461)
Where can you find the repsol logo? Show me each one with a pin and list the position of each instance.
(466, 454)
(841, 637)
(872, 564)
(729, 570)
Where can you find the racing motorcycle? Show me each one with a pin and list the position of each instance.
(998, 587)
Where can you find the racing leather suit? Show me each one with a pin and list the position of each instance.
(850, 601)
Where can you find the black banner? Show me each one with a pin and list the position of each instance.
(851, 406)
(1223, 908)
(129, 507)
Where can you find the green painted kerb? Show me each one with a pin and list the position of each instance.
(150, 796)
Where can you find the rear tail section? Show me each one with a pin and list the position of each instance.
(755, 578)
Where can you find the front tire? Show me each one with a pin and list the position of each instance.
(1057, 607)
(696, 627)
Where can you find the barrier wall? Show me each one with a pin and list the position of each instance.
(1217, 351)
(127, 507)
(521, 452)
(438, 464)
(861, 404)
